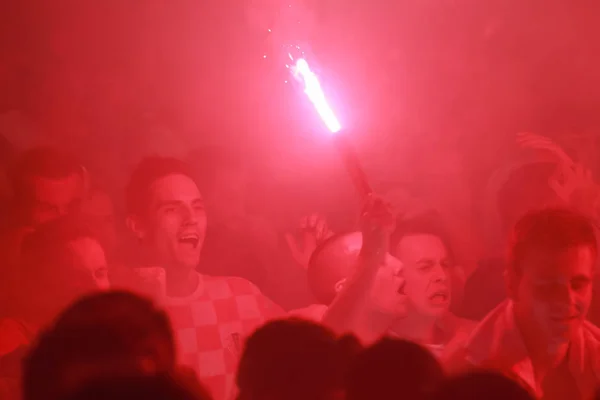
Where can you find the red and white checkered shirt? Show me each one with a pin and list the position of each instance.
(211, 324)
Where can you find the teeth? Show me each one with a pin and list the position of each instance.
(192, 237)
(442, 295)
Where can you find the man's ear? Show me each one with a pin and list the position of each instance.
(136, 227)
(340, 285)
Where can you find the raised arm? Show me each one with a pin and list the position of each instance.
(354, 310)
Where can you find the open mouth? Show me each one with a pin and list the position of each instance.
(191, 239)
(440, 297)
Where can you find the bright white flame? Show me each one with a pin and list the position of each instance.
(313, 90)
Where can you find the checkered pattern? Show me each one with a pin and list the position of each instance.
(211, 324)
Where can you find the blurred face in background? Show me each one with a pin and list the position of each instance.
(51, 279)
(427, 273)
(53, 198)
(88, 256)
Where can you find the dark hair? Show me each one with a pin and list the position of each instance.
(323, 276)
(49, 275)
(122, 321)
(549, 230)
(393, 369)
(156, 387)
(147, 172)
(481, 385)
(423, 224)
(105, 333)
(45, 162)
(292, 359)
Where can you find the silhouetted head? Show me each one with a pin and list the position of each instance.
(481, 385)
(292, 359)
(156, 387)
(103, 335)
(393, 369)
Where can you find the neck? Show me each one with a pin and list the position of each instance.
(544, 357)
(417, 327)
(181, 283)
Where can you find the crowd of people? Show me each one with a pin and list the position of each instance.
(197, 300)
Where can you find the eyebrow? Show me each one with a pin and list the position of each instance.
(177, 203)
(167, 203)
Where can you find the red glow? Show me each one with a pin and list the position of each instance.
(312, 88)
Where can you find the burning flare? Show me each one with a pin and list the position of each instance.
(315, 94)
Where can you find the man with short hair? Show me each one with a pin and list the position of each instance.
(357, 279)
(540, 335)
(210, 315)
(47, 184)
(431, 275)
(420, 245)
(523, 189)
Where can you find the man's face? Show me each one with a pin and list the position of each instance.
(89, 256)
(554, 291)
(386, 295)
(54, 198)
(426, 270)
(177, 221)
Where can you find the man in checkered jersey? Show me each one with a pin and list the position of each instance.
(210, 315)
